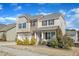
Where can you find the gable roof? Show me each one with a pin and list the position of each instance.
(7, 27)
(27, 17)
(37, 17)
(53, 16)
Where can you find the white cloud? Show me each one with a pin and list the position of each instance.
(72, 18)
(76, 10)
(2, 19)
(62, 11)
(7, 18)
(18, 8)
(18, 15)
(42, 13)
(10, 18)
(1, 7)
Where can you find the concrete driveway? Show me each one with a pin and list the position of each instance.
(7, 51)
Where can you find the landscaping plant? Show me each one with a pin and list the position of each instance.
(54, 43)
(44, 43)
(26, 42)
(67, 42)
(19, 42)
(33, 41)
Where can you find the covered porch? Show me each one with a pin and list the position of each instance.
(46, 35)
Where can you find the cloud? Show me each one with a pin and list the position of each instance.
(18, 8)
(1, 7)
(7, 20)
(72, 18)
(3, 19)
(10, 18)
(76, 10)
(62, 11)
(42, 13)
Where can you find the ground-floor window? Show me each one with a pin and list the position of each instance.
(49, 35)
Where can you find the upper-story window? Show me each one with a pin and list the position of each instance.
(51, 22)
(20, 25)
(24, 25)
(33, 23)
(44, 23)
(48, 22)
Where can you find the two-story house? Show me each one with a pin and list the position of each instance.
(43, 27)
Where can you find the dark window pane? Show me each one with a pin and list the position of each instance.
(34, 23)
(52, 33)
(20, 25)
(24, 25)
(47, 35)
(44, 23)
(51, 22)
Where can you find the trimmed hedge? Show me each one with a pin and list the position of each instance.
(26, 41)
(19, 42)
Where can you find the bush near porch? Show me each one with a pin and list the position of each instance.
(26, 41)
(33, 41)
(66, 43)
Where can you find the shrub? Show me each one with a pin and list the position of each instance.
(49, 43)
(44, 43)
(19, 42)
(67, 42)
(26, 42)
(33, 41)
(54, 43)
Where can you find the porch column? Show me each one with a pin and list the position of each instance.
(35, 35)
(41, 35)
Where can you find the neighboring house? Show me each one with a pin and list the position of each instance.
(43, 27)
(2, 25)
(72, 34)
(78, 35)
(8, 33)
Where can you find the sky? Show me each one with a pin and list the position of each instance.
(9, 11)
